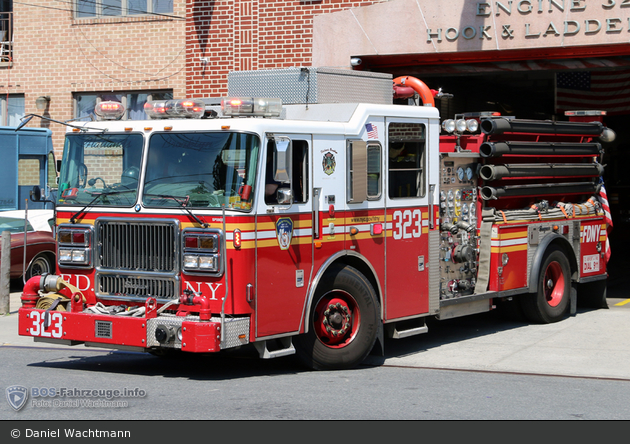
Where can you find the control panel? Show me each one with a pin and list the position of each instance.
(458, 225)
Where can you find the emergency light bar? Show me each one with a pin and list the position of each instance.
(251, 106)
(185, 108)
(109, 110)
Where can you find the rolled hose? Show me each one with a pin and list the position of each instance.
(491, 193)
(502, 125)
(46, 302)
(494, 172)
(494, 149)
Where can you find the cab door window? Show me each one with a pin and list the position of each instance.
(298, 173)
(406, 166)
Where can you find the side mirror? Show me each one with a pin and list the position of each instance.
(36, 194)
(24, 121)
(282, 160)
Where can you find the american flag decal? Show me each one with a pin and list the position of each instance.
(603, 199)
(372, 131)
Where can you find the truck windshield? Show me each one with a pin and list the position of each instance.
(201, 170)
(100, 164)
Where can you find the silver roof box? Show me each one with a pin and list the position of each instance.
(306, 85)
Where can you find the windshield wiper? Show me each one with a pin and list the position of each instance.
(93, 201)
(182, 203)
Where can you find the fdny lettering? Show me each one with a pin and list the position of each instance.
(81, 281)
(213, 288)
(590, 233)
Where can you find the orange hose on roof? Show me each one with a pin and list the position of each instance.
(426, 95)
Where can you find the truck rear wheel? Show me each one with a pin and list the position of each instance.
(343, 322)
(550, 302)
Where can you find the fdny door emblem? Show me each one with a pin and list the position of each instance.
(284, 232)
(328, 163)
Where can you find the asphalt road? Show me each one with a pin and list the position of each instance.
(461, 370)
(481, 367)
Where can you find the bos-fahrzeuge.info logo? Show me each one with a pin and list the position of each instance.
(17, 396)
(64, 397)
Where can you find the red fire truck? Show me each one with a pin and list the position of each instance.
(310, 214)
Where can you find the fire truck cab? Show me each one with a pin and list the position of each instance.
(309, 214)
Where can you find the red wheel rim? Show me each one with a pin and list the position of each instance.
(554, 284)
(336, 319)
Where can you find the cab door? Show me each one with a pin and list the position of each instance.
(284, 234)
(407, 202)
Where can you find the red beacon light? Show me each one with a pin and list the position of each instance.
(185, 108)
(109, 110)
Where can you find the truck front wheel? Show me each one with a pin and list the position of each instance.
(343, 323)
(550, 302)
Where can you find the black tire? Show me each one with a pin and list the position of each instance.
(550, 302)
(39, 266)
(343, 321)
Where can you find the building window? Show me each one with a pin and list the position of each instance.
(11, 110)
(116, 8)
(133, 102)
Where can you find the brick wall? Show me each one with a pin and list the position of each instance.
(236, 35)
(56, 55)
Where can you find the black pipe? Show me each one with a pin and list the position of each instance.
(494, 172)
(501, 125)
(494, 149)
(490, 193)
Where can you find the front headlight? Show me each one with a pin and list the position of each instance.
(202, 251)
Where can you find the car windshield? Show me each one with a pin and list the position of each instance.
(13, 225)
(201, 170)
(100, 164)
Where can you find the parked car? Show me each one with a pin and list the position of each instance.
(40, 242)
(41, 220)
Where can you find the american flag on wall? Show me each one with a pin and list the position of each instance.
(372, 131)
(603, 199)
(594, 90)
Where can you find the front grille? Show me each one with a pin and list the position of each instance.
(136, 286)
(150, 245)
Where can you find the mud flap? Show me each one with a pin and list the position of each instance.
(379, 345)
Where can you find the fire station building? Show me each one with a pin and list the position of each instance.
(524, 58)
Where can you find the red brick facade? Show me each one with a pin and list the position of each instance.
(237, 35)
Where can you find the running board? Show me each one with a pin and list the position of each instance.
(410, 332)
(404, 329)
(285, 350)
